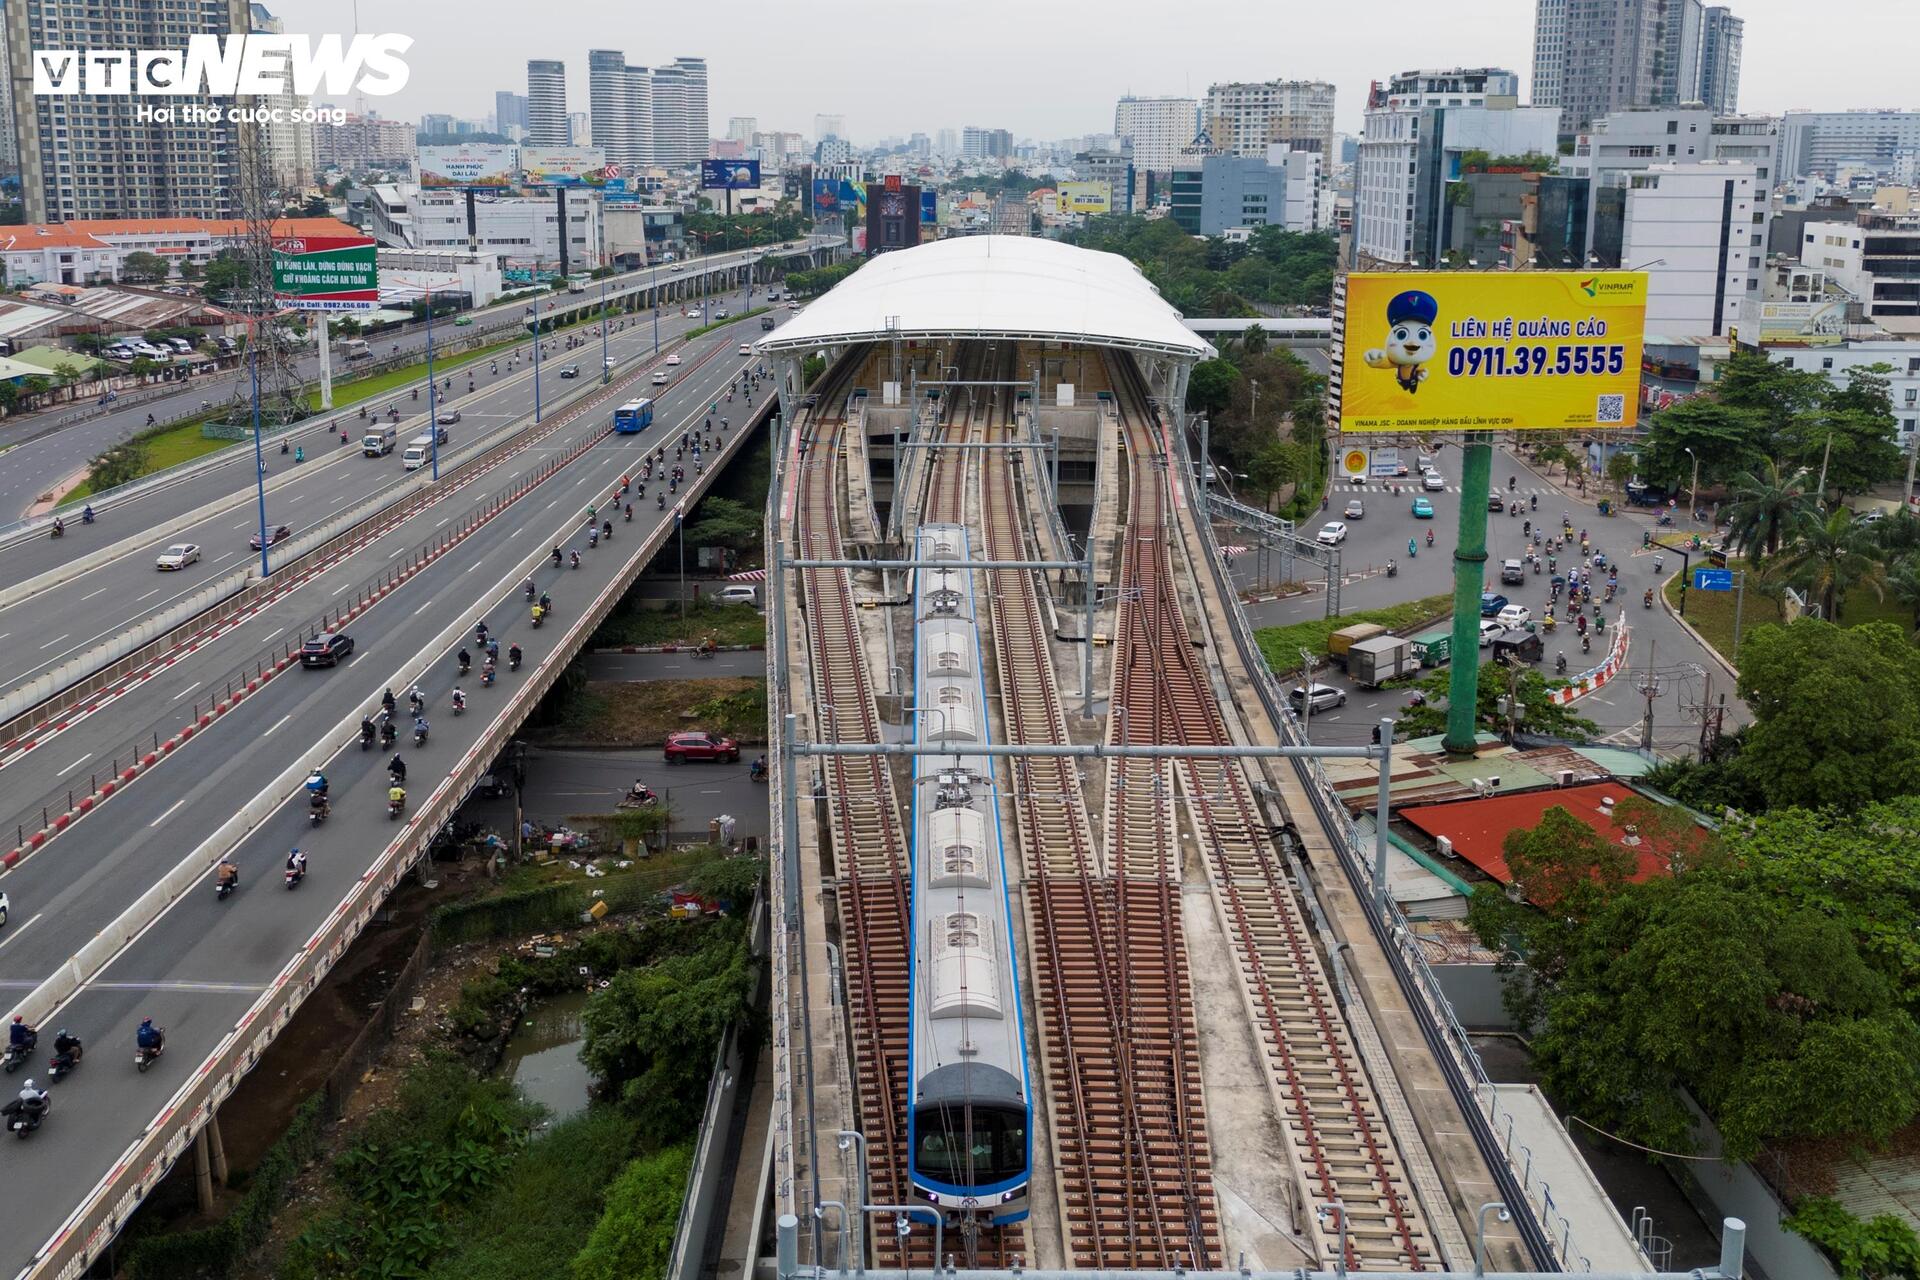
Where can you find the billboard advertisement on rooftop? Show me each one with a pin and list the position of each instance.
(480, 165)
(1442, 351)
(565, 167)
(1084, 197)
(729, 175)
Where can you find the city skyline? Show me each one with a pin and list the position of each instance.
(1788, 63)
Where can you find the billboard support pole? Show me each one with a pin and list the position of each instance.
(326, 361)
(1469, 569)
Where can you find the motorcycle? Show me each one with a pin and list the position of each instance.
(61, 1064)
(575, 559)
(223, 889)
(1560, 664)
(294, 876)
(459, 705)
(388, 734)
(317, 810)
(144, 1057)
(395, 804)
(513, 659)
(757, 772)
(419, 736)
(23, 1119)
(366, 737)
(1646, 601)
(58, 530)
(486, 680)
(18, 1054)
(1393, 569)
(539, 616)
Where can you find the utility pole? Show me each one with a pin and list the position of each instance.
(1650, 688)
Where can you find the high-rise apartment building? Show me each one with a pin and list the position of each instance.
(288, 137)
(86, 155)
(510, 114)
(547, 103)
(1595, 57)
(669, 116)
(1721, 35)
(1157, 127)
(829, 126)
(946, 143)
(607, 105)
(742, 128)
(1701, 225)
(579, 129)
(1824, 142)
(1246, 119)
(364, 143)
(696, 133)
(638, 86)
(985, 144)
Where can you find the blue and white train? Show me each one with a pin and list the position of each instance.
(970, 1113)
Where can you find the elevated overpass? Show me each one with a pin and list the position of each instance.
(114, 918)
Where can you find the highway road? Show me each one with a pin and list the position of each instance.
(1382, 533)
(52, 626)
(33, 466)
(204, 962)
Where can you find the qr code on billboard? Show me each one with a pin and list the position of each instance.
(1610, 408)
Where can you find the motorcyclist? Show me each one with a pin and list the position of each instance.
(228, 874)
(758, 769)
(86, 514)
(573, 558)
(480, 631)
(297, 862)
(386, 700)
(513, 656)
(149, 1037)
(466, 661)
(66, 1045)
(397, 795)
(33, 1101)
(317, 782)
(546, 603)
(459, 699)
(397, 768)
(419, 728)
(387, 732)
(556, 557)
(20, 1035)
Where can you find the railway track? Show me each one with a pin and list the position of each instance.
(1339, 1145)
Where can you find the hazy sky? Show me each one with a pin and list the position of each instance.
(1046, 69)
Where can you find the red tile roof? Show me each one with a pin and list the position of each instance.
(1478, 827)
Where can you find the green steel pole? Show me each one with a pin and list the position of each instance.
(1469, 571)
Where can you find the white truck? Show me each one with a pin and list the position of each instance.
(379, 439)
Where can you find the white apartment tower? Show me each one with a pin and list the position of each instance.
(608, 105)
(695, 131)
(1157, 127)
(669, 116)
(547, 103)
(288, 138)
(1246, 119)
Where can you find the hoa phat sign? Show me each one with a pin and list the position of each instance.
(326, 273)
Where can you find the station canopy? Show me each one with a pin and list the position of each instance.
(1009, 287)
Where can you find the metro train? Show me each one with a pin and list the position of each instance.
(970, 1110)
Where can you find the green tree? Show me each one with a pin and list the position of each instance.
(1881, 1248)
(1550, 456)
(9, 396)
(1852, 439)
(36, 385)
(1780, 394)
(1254, 340)
(722, 522)
(634, 1238)
(1211, 385)
(1768, 505)
(1727, 439)
(1621, 467)
(225, 274)
(1829, 558)
(316, 207)
(123, 462)
(1903, 584)
(1540, 714)
(139, 266)
(142, 367)
(1836, 713)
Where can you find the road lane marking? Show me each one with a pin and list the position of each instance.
(169, 813)
(150, 595)
(56, 640)
(91, 594)
(277, 723)
(184, 692)
(77, 763)
(22, 929)
(224, 988)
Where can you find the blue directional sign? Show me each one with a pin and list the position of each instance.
(1712, 579)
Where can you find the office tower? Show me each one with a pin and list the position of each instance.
(1721, 35)
(547, 103)
(607, 104)
(1677, 52)
(1821, 143)
(985, 144)
(86, 155)
(510, 114)
(695, 132)
(1246, 119)
(1158, 128)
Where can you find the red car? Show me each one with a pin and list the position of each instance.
(682, 747)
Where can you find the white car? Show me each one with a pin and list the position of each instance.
(660, 378)
(1433, 481)
(1323, 697)
(178, 556)
(1332, 533)
(1514, 615)
(746, 348)
(673, 360)
(740, 593)
(1490, 630)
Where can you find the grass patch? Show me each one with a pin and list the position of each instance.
(353, 390)
(1281, 645)
(635, 624)
(642, 713)
(721, 324)
(1711, 613)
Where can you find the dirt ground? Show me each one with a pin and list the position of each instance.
(642, 713)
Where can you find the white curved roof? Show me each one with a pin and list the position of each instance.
(993, 287)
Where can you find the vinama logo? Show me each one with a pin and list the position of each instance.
(229, 66)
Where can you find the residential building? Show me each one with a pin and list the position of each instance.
(1692, 227)
(1222, 193)
(558, 231)
(88, 155)
(696, 131)
(946, 144)
(579, 129)
(364, 143)
(1721, 35)
(1630, 142)
(288, 135)
(9, 139)
(829, 126)
(985, 144)
(1116, 169)
(1901, 358)
(510, 114)
(1157, 128)
(1245, 119)
(638, 87)
(780, 147)
(831, 150)
(1876, 259)
(91, 251)
(1593, 58)
(742, 128)
(1824, 143)
(547, 103)
(608, 104)
(1421, 129)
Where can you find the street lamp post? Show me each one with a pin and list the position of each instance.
(433, 411)
(606, 374)
(536, 361)
(259, 462)
(654, 292)
(680, 536)
(1693, 490)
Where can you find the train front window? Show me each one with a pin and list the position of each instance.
(993, 1150)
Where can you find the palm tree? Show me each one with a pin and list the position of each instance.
(1832, 557)
(1766, 510)
(1903, 584)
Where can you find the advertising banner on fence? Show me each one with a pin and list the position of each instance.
(1083, 197)
(1490, 351)
(480, 165)
(729, 175)
(326, 273)
(565, 167)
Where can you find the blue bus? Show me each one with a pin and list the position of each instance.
(633, 417)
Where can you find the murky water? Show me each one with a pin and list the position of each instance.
(543, 1056)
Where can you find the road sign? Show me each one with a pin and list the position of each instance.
(1712, 579)
(1353, 463)
(326, 273)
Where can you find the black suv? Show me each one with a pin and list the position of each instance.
(326, 649)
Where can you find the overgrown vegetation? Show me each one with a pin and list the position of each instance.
(1213, 276)
(1281, 646)
(811, 284)
(1881, 1248)
(1538, 713)
(641, 713)
(633, 623)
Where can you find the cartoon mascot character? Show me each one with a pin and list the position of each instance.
(1410, 342)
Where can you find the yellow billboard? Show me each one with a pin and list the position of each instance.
(1083, 197)
(1490, 351)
